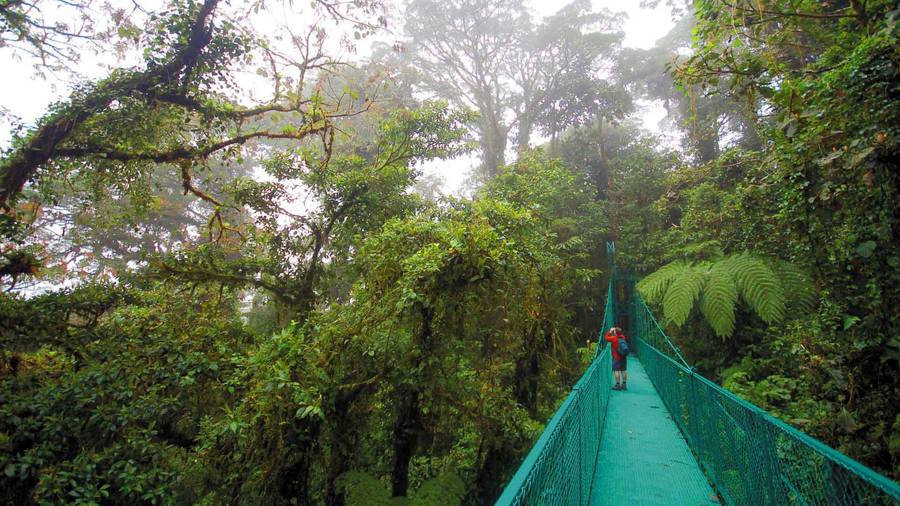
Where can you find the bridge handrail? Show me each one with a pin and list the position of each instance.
(559, 468)
(666, 345)
(750, 456)
(545, 476)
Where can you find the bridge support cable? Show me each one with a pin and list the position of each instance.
(546, 476)
(750, 456)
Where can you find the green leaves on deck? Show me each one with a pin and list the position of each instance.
(765, 285)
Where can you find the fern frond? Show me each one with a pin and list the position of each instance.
(718, 300)
(682, 294)
(654, 285)
(758, 286)
(797, 285)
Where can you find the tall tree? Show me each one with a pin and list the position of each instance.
(519, 75)
(708, 122)
(564, 72)
(112, 141)
(463, 49)
(284, 250)
(173, 109)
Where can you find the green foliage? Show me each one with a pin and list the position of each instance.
(682, 293)
(114, 417)
(798, 284)
(654, 285)
(520, 75)
(66, 318)
(362, 489)
(287, 258)
(757, 285)
(418, 345)
(718, 285)
(560, 199)
(719, 298)
(820, 191)
(447, 488)
(422, 343)
(451, 346)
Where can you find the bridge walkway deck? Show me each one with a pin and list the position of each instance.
(643, 457)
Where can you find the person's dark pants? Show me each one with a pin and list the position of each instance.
(619, 365)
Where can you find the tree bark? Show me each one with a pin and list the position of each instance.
(493, 147)
(293, 481)
(493, 471)
(406, 438)
(345, 432)
(41, 147)
(410, 426)
(527, 372)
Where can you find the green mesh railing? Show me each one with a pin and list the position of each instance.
(559, 468)
(750, 456)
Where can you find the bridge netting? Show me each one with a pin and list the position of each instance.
(749, 456)
(559, 469)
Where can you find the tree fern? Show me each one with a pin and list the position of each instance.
(758, 286)
(797, 285)
(654, 286)
(683, 292)
(719, 297)
(764, 284)
(706, 250)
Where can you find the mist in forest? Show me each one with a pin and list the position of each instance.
(350, 253)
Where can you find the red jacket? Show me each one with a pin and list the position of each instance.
(614, 340)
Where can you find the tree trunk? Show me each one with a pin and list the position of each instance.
(410, 426)
(495, 470)
(406, 438)
(527, 372)
(293, 481)
(523, 137)
(493, 147)
(345, 434)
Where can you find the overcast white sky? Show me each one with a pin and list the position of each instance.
(27, 96)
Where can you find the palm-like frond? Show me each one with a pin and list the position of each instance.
(685, 290)
(798, 287)
(758, 286)
(718, 300)
(654, 286)
(764, 284)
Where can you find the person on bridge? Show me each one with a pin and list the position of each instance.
(619, 362)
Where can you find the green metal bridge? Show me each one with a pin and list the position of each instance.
(674, 437)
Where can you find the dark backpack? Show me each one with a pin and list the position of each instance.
(623, 347)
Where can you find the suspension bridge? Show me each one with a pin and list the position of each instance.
(674, 437)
